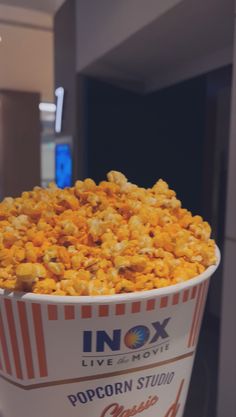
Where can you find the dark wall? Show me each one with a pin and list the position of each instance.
(216, 148)
(19, 142)
(115, 137)
(74, 118)
(176, 136)
(160, 135)
(65, 65)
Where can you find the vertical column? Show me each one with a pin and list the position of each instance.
(19, 142)
(74, 110)
(227, 365)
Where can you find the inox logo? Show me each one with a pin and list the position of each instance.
(134, 338)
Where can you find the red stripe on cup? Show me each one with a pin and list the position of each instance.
(198, 312)
(150, 304)
(194, 292)
(69, 312)
(3, 342)
(195, 314)
(136, 305)
(1, 368)
(86, 312)
(175, 299)
(52, 312)
(164, 302)
(199, 307)
(200, 315)
(13, 337)
(120, 309)
(176, 403)
(26, 338)
(185, 296)
(39, 337)
(103, 311)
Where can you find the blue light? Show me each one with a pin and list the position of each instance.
(63, 165)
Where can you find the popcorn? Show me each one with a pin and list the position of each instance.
(102, 239)
(28, 272)
(117, 178)
(56, 268)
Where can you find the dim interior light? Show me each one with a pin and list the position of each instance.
(48, 107)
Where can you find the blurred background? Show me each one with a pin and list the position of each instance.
(142, 86)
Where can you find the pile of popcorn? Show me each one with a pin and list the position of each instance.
(103, 239)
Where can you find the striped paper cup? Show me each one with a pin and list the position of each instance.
(106, 356)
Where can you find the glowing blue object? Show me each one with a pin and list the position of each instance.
(63, 165)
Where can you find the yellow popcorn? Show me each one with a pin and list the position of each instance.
(138, 263)
(81, 287)
(6, 257)
(28, 272)
(161, 268)
(77, 261)
(124, 285)
(117, 177)
(46, 286)
(19, 254)
(110, 238)
(31, 252)
(56, 268)
(69, 228)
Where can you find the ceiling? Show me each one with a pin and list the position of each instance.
(48, 6)
(192, 33)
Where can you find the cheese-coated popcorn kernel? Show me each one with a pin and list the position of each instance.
(105, 239)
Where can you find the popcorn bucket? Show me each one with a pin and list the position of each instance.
(106, 356)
